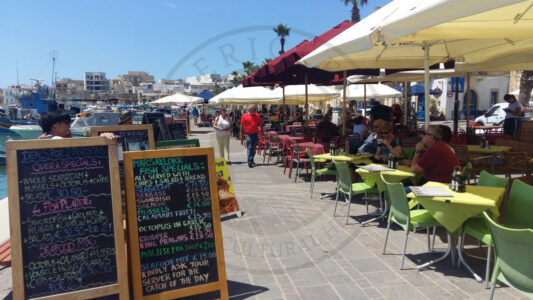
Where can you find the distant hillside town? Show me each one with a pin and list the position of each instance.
(135, 87)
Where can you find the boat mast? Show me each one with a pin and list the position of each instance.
(53, 54)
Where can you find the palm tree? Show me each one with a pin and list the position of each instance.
(249, 67)
(237, 77)
(526, 85)
(356, 16)
(266, 61)
(282, 31)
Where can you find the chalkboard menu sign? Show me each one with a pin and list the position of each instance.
(131, 137)
(187, 143)
(159, 124)
(178, 130)
(174, 223)
(67, 237)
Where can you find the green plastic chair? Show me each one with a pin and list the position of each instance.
(476, 227)
(514, 258)
(317, 172)
(408, 219)
(349, 189)
(519, 211)
(408, 152)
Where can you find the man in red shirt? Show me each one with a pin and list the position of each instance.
(250, 123)
(433, 157)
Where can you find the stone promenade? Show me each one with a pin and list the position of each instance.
(289, 246)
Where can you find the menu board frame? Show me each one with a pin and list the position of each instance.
(96, 130)
(133, 234)
(121, 287)
(172, 144)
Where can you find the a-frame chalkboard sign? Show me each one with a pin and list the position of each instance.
(174, 223)
(131, 137)
(67, 236)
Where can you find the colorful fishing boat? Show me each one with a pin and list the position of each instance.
(126, 117)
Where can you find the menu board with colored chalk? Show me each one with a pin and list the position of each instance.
(174, 223)
(66, 232)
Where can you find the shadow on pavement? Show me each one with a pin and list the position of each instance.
(237, 291)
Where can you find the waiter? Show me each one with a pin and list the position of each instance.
(511, 125)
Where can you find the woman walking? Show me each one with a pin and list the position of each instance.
(222, 125)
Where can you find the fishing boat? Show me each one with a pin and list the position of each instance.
(84, 120)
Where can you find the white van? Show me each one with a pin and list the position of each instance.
(494, 116)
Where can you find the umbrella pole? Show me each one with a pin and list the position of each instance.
(306, 102)
(283, 108)
(406, 103)
(467, 99)
(456, 107)
(364, 99)
(343, 112)
(426, 86)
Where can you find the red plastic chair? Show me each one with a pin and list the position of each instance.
(261, 143)
(297, 156)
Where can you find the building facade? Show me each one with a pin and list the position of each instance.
(96, 82)
(67, 88)
(485, 91)
(137, 77)
(207, 82)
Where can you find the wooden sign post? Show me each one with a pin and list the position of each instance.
(67, 237)
(174, 223)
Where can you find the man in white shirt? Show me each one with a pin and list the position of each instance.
(511, 125)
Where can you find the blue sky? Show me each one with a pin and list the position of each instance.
(167, 38)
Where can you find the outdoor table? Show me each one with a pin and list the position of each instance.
(493, 151)
(452, 212)
(487, 128)
(315, 148)
(399, 174)
(286, 140)
(476, 149)
(355, 159)
(288, 127)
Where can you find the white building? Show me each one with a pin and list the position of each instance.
(96, 82)
(13, 92)
(207, 82)
(119, 86)
(486, 90)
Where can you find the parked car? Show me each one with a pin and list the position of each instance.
(364, 113)
(494, 116)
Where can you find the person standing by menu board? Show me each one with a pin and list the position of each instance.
(222, 125)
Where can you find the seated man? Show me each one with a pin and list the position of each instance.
(370, 145)
(433, 157)
(326, 130)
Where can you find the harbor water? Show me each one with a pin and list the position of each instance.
(4, 136)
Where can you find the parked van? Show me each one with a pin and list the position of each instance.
(494, 116)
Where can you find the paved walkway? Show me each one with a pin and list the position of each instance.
(288, 246)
